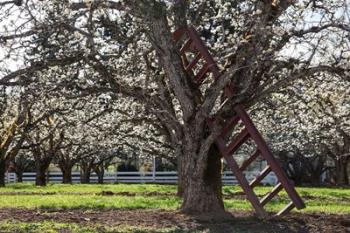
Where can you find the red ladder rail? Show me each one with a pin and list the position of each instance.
(199, 71)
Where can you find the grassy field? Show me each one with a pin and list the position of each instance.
(140, 197)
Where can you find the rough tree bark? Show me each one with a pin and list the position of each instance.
(19, 170)
(85, 176)
(340, 154)
(341, 172)
(19, 176)
(67, 174)
(85, 171)
(66, 164)
(202, 191)
(181, 179)
(2, 172)
(42, 163)
(99, 170)
(41, 171)
(200, 169)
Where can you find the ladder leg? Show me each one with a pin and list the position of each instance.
(286, 209)
(267, 154)
(254, 200)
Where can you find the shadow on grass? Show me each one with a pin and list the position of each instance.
(160, 221)
(250, 224)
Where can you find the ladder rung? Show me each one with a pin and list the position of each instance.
(244, 184)
(238, 141)
(260, 177)
(201, 74)
(179, 33)
(270, 195)
(247, 162)
(200, 46)
(186, 46)
(193, 62)
(184, 59)
(229, 126)
(267, 154)
(286, 209)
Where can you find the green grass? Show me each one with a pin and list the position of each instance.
(142, 196)
(86, 188)
(328, 200)
(325, 193)
(88, 201)
(53, 227)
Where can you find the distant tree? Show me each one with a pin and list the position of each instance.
(13, 128)
(311, 118)
(23, 162)
(339, 152)
(304, 169)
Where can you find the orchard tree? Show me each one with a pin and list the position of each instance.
(47, 134)
(14, 126)
(80, 142)
(23, 162)
(126, 48)
(313, 121)
(66, 158)
(121, 131)
(44, 146)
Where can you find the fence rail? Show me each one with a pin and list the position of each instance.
(168, 177)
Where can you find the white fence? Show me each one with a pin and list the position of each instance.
(168, 177)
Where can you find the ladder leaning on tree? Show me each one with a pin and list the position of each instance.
(201, 66)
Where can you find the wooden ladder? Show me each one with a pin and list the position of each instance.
(199, 64)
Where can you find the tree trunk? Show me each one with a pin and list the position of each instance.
(100, 178)
(85, 176)
(19, 170)
(40, 178)
(41, 168)
(67, 175)
(181, 179)
(341, 172)
(347, 170)
(202, 192)
(2, 172)
(200, 177)
(100, 174)
(85, 172)
(19, 175)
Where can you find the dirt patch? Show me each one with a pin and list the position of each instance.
(239, 222)
(146, 218)
(102, 193)
(131, 194)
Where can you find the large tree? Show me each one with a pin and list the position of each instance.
(14, 127)
(126, 48)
